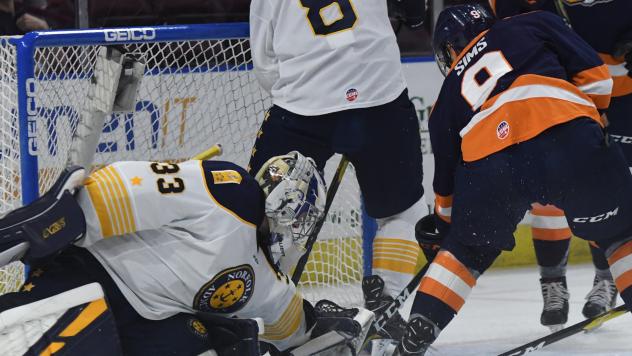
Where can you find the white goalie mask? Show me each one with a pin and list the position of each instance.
(295, 202)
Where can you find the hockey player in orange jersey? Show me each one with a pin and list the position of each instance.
(517, 121)
(606, 26)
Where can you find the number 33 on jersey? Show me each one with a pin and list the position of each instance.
(131, 196)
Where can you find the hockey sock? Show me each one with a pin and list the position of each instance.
(449, 280)
(600, 262)
(395, 248)
(620, 260)
(551, 240)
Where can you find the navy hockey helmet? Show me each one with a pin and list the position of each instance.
(456, 27)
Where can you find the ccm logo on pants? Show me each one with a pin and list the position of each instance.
(598, 218)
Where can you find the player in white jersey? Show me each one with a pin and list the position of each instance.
(334, 73)
(159, 250)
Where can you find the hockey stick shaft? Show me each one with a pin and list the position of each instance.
(331, 193)
(586, 325)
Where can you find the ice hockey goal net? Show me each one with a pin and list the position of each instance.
(197, 90)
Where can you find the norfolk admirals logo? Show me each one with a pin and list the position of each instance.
(227, 292)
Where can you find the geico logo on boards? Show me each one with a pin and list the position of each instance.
(130, 34)
(31, 116)
(598, 218)
(621, 139)
(470, 55)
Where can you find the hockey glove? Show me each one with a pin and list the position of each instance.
(427, 236)
(624, 49)
(48, 224)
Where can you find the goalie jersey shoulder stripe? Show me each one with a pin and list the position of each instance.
(233, 189)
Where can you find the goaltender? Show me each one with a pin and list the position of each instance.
(140, 256)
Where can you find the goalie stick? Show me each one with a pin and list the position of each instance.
(586, 325)
(331, 193)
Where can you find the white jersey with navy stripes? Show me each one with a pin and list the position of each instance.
(323, 56)
(182, 238)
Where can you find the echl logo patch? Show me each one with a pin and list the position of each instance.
(227, 292)
(352, 94)
(585, 2)
(502, 131)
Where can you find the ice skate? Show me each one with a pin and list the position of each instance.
(418, 336)
(555, 296)
(601, 298)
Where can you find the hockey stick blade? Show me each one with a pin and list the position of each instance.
(586, 325)
(382, 318)
(331, 193)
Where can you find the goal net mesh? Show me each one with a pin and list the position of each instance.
(194, 93)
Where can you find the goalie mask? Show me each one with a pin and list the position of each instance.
(295, 202)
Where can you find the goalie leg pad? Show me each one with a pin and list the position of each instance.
(78, 321)
(50, 223)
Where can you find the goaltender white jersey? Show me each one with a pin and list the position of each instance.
(318, 57)
(182, 238)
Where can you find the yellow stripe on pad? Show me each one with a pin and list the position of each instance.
(85, 318)
(52, 348)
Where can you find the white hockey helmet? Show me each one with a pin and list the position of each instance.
(295, 202)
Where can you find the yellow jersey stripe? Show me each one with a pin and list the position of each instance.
(125, 200)
(394, 241)
(100, 206)
(111, 200)
(85, 318)
(52, 348)
(394, 266)
(394, 256)
(408, 252)
(288, 323)
(280, 325)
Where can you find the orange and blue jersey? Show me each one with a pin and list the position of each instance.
(522, 76)
(604, 24)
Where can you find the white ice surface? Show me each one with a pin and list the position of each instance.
(503, 312)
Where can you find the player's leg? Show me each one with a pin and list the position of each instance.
(61, 309)
(603, 295)
(551, 241)
(283, 131)
(384, 145)
(599, 205)
(385, 149)
(487, 207)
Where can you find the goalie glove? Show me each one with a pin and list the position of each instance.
(48, 224)
(428, 237)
